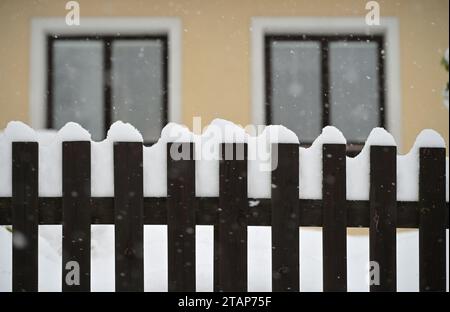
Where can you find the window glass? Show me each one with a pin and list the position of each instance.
(354, 88)
(77, 93)
(296, 87)
(138, 85)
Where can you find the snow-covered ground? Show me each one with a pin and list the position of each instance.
(207, 184)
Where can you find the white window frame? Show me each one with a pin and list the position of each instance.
(388, 27)
(42, 27)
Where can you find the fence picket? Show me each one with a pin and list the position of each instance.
(76, 215)
(334, 217)
(230, 230)
(383, 216)
(432, 240)
(128, 211)
(285, 217)
(25, 216)
(181, 218)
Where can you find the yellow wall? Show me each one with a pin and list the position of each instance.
(216, 51)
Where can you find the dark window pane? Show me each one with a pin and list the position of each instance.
(137, 85)
(354, 88)
(78, 85)
(296, 96)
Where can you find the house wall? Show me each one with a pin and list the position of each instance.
(216, 52)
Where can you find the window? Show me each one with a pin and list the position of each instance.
(96, 80)
(312, 81)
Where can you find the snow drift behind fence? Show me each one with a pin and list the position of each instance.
(315, 186)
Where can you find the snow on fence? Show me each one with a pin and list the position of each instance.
(78, 183)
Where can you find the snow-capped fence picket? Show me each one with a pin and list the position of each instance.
(231, 211)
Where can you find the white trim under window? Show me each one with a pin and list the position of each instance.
(41, 27)
(329, 26)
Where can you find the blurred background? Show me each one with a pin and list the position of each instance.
(304, 64)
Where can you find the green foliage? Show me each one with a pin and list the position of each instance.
(444, 62)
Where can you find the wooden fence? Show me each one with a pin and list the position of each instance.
(230, 213)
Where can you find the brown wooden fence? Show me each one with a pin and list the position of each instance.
(230, 213)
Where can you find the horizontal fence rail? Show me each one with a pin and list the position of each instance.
(230, 213)
(155, 212)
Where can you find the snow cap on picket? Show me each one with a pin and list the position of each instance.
(174, 132)
(429, 138)
(329, 135)
(17, 131)
(225, 131)
(279, 134)
(123, 132)
(72, 131)
(379, 136)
